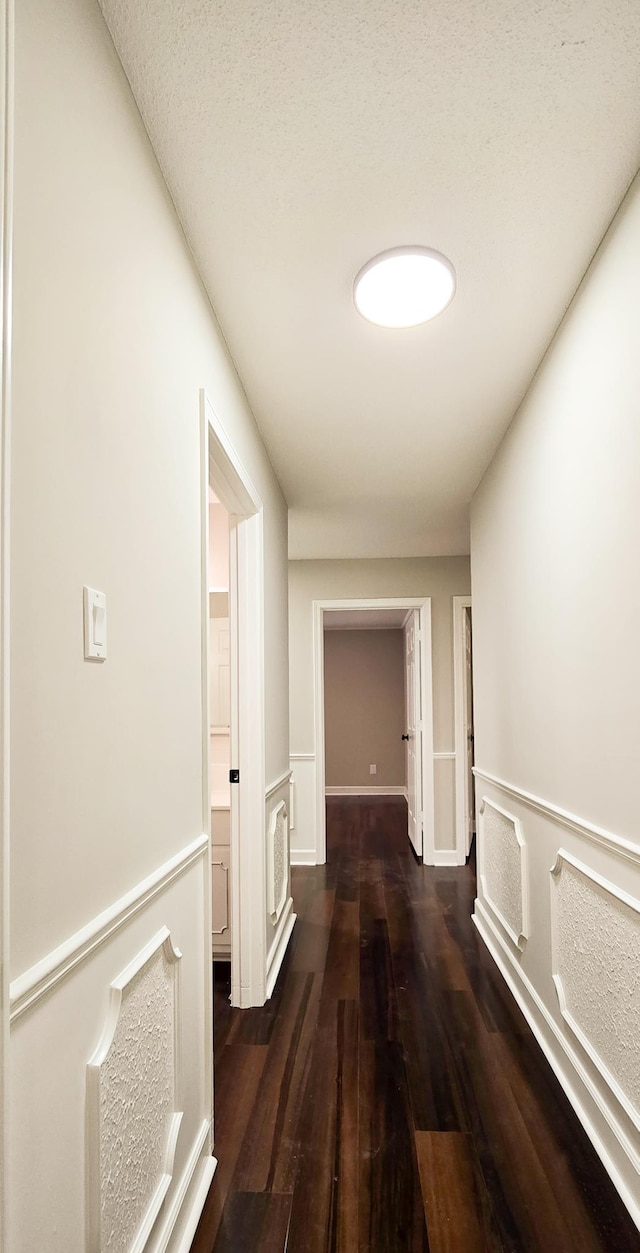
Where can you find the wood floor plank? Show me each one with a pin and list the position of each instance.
(342, 970)
(396, 1213)
(317, 1189)
(254, 1220)
(238, 1076)
(266, 1151)
(453, 1212)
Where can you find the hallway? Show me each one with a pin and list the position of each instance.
(390, 1096)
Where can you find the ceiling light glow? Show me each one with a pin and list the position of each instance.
(404, 287)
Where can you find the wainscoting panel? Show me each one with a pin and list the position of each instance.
(99, 1030)
(596, 970)
(503, 869)
(133, 1101)
(577, 979)
(280, 915)
(278, 860)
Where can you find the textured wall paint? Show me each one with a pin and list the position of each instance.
(597, 958)
(137, 1102)
(279, 854)
(501, 865)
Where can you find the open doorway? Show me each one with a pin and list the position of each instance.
(232, 704)
(350, 742)
(220, 731)
(364, 692)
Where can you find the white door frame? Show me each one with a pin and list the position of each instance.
(6, 253)
(224, 471)
(460, 604)
(423, 605)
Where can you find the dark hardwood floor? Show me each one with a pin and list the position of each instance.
(390, 1097)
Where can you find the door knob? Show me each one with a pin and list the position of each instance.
(405, 737)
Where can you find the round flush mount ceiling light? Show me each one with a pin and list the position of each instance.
(404, 287)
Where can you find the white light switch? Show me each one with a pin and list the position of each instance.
(95, 624)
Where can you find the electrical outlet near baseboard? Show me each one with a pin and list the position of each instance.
(373, 769)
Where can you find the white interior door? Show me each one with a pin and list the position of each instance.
(413, 731)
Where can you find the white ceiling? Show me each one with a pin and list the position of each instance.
(301, 137)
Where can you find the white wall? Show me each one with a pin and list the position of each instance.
(113, 338)
(440, 578)
(556, 605)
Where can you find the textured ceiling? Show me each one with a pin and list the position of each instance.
(298, 139)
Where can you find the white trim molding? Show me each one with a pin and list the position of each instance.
(6, 269)
(423, 605)
(517, 928)
(278, 861)
(604, 965)
(189, 1223)
(137, 1062)
(279, 783)
(302, 756)
(598, 835)
(444, 756)
(445, 857)
(31, 986)
(280, 945)
(303, 857)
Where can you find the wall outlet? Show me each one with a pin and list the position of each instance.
(373, 769)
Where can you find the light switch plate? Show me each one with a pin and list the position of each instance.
(95, 624)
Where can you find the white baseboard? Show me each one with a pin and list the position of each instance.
(196, 1178)
(445, 857)
(366, 791)
(562, 1058)
(304, 857)
(279, 946)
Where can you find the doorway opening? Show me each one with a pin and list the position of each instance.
(464, 727)
(233, 711)
(346, 761)
(219, 729)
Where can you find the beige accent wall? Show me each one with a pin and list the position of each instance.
(556, 605)
(364, 708)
